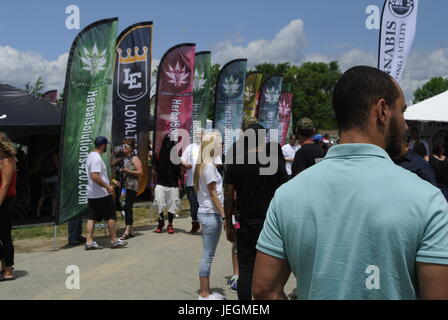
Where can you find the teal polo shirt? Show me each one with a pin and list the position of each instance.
(353, 226)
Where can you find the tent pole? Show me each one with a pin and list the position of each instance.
(54, 237)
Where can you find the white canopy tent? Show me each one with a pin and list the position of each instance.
(431, 118)
(433, 109)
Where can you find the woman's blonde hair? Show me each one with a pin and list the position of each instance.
(6, 145)
(206, 155)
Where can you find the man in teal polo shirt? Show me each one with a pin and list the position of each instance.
(355, 225)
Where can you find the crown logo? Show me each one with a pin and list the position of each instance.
(133, 58)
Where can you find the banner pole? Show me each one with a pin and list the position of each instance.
(54, 237)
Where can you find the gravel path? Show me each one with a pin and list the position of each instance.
(153, 266)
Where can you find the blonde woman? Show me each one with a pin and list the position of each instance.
(208, 186)
(8, 177)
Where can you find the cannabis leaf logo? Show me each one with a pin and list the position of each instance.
(272, 95)
(177, 75)
(94, 61)
(283, 108)
(199, 81)
(231, 85)
(249, 93)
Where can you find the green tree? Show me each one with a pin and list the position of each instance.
(430, 89)
(312, 85)
(37, 88)
(269, 69)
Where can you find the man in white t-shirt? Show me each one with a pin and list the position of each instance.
(289, 151)
(99, 195)
(189, 159)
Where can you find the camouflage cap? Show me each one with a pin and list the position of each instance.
(305, 124)
(247, 121)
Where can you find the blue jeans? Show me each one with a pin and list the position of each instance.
(211, 224)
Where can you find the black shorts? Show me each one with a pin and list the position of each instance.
(101, 209)
(48, 190)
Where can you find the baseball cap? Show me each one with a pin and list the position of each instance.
(101, 140)
(317, 137)
(305, 124)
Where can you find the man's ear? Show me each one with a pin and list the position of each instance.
(382, 111)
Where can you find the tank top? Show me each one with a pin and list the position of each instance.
(12, 187)
(130, 182)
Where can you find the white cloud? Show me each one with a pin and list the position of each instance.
(287, 45)
(17, 68)
(420, 67)
(346, 60)
(357, 57)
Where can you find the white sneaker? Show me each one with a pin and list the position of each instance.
(93, 246)
(218, 296)
(233, 284)
(233, 278)
(119, 244)
(213, 296)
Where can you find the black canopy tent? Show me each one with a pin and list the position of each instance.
(23, 115)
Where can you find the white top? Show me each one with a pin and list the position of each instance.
(209, 174)
(190, 156)
(289, 152)
(94, 163)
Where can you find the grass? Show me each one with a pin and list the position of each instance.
(41, 237)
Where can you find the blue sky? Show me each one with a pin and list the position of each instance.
(320, 30)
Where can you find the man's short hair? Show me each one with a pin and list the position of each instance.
(305, 133)
(356, 91)
(305, 128)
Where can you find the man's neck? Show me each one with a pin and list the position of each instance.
(357, 136)
(98, 151)
(306, 141)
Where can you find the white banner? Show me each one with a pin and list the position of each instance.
(398, 24)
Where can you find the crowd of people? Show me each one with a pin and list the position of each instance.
(37, 177)
(332, 214)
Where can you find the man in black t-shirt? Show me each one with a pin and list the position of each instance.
(309, 153)
(253, 196)
(166, 193)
